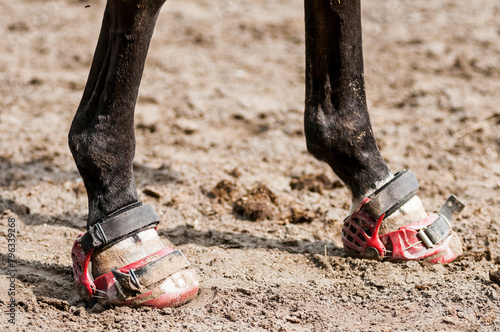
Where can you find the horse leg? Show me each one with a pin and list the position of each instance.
(337, 124)
(101, 139)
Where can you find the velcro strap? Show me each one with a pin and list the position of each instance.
(119, 224)
(435, 232)
(392, 195)
(152, 272)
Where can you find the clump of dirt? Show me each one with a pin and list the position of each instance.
(235, 172)
(315, 182)
(151, 193)
(225, 191)
(495, 277)
(299, 215)
(257, 204)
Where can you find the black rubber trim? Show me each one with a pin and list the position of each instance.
(392, 195)
(118, 225)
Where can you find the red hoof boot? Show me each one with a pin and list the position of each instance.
(161, 279)
(431, 239)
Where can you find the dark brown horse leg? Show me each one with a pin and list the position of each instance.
(130, 265)
(338, 131)
(101, 137)
(337, 124)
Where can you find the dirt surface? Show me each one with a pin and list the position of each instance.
(219, 125)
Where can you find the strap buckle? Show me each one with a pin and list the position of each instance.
(441, 228)
(100, 232)
(435, 232)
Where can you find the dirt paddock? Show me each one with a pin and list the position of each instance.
(221, 156)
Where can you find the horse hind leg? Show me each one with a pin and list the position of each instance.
(337, 123)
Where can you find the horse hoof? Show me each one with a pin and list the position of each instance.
(151, 275)
(162, 279)
(431, 238)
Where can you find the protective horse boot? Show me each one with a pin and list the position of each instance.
(150, 276)
(429, 238)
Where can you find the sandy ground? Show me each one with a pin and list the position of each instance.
(222, 100)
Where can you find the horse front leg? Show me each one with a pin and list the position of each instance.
(338, 131)
(101, 137)
(120, 230)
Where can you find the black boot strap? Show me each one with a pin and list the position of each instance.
(435, 232)
(118, 225)
(441, 228)
(152, 272)
(392, 195)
